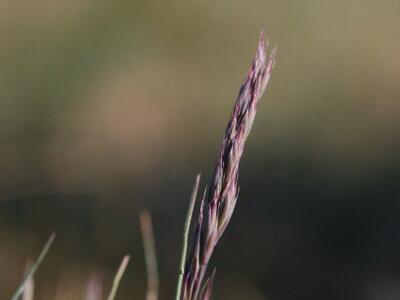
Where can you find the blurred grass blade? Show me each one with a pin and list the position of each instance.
(149, 255)
(94, 288)
(35, 266)
(118, 277)
(29, 289)
(186, 230)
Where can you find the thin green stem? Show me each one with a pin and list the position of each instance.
(149, 255)
(186, 236)
(118, 277)
(29, 288)
(35, 266)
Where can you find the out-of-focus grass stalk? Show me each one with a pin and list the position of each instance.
(118, 277)
(186, 230)
(94, 289)
(149, 255)
(28, 276)
(29, 289)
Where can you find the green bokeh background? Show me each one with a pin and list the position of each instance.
(110, 107)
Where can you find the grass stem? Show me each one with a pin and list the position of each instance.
(28, 276)
(118, 277)
(186, 230)
(149, 255)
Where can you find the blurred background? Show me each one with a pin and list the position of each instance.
(111, 107)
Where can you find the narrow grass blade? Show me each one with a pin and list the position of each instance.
(35, 266)
(186, 230)
(94, 288)
(118, 277)
(149, 255)
(29, 289)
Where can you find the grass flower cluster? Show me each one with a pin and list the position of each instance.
(215, 210)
